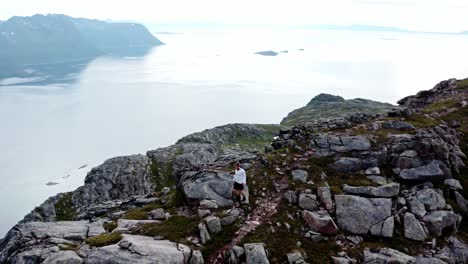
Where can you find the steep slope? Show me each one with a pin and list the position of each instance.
(365, 189)
(325, 106)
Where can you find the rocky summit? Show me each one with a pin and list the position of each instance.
(354, 188)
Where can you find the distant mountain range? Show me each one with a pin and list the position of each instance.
(26, 41)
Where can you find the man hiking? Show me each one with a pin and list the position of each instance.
(240, 180)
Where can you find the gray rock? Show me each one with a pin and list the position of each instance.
(377, 179)
(325, 196)
(202, 213)
(398, 125)
(428, 172)
(295, 258)
(308, 201)
(63, 257)
(228, 220)
(453, 184)
(384, 228)
(158, 214)
(255, 253)
(126, 225)
(428, 260)
(291, 197)
(214, 224)
(354, 143)
(40, 239)
(320, 222)
(437, 221)
(347, 165)
(358, 214)
(208, 185)
(197, 257)
(208, 204)
(300, 175)
(204, 235)
(372, 171)
(413, 229)
(416, 207)
(456, 252)
(388, 190)
(143, 250)
(461, 201)
(431, 199)
(118, 178)
(387, 255)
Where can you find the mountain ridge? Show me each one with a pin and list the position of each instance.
(356, 189)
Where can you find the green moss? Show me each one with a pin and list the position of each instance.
(69, 246)
(110, 226)
(176, 228)
(439, 106)
(64, 210)
(419, 121)
(104, 239)
(219, 240)
(141, 213)
(282, 241)
(162, 174)
(462, 84)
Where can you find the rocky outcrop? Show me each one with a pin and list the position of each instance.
(424, 98)
(141, 249)
(386, 191)
(326, 106)
(387, 255)
(39, 241)
(208, 185)
(358, 215)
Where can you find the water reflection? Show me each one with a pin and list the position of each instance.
(64, 72)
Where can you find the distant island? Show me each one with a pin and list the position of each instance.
(267, 53)
(50, 39)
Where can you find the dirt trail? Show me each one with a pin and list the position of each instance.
(265, 209)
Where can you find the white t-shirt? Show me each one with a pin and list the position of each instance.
(240, 176)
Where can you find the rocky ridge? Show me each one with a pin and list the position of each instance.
(354, 189)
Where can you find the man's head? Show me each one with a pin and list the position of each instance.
(237, 165)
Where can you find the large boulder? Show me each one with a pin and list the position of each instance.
(126, 225)
(456, 252)
(437, 221)
(432, 199)
(413, 229)
(347, 165)
(140, 249)
(63, 257)
(208, 185)
(255, 253)
(357, 214)
(386, 191)
(387, 255)
(429, 172)
(320, 222)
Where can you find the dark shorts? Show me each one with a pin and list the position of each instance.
(238, 186)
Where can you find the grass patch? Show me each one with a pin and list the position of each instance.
(176, 228)
(219, 240)
(110, 226)
(420, 121)
(141, 213)
(64, 210)
(162, 174)
(104, 239)
(69, 246)
(283, 241)
(462, 84)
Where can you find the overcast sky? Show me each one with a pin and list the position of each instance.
(427, 15)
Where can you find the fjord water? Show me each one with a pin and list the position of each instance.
(120, 106)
